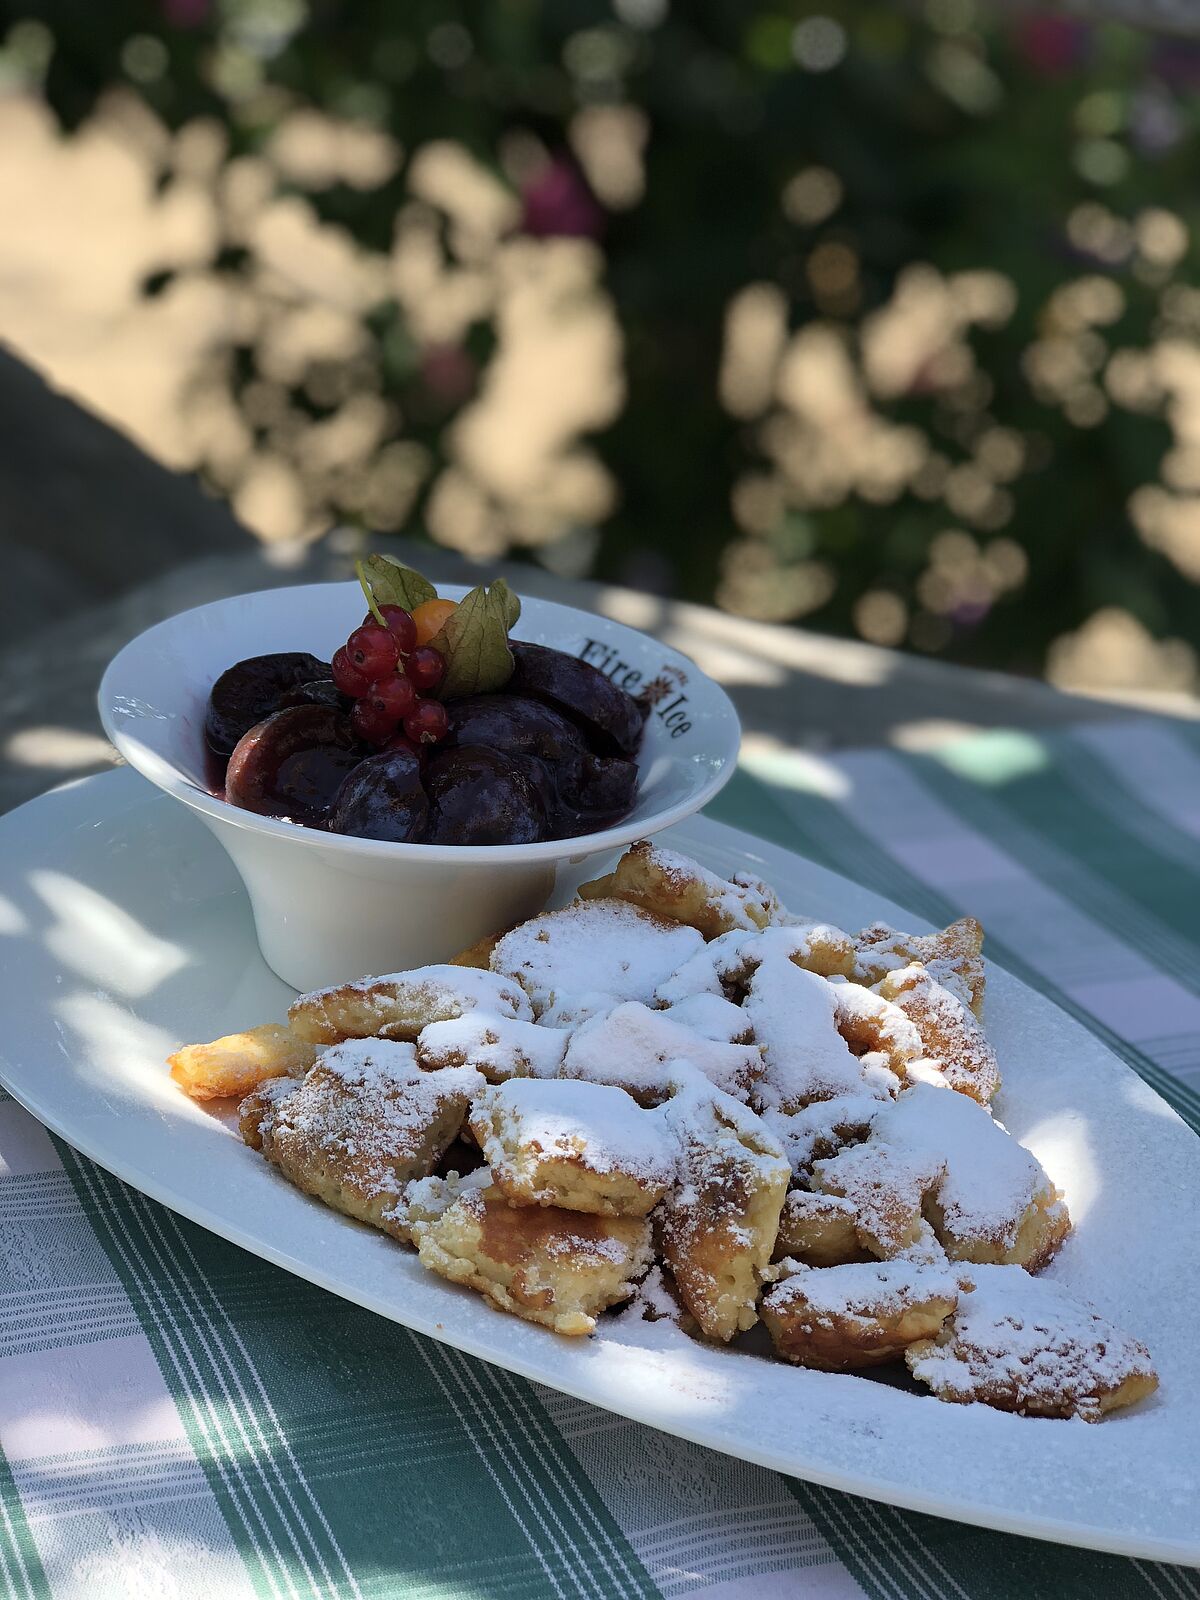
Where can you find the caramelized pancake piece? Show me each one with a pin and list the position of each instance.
(581, 1146)
(498, 1047)
(240, 1061)
(600, 946)
(364, 1122)
(721, 1220)
(821, 1129)
(675, 886)
(937, 1155)
(633, 1048)
(818, 1229)
(399, 1005)
(952, 957)
(555, 1267)
(1028, 1345)
(843, 1318)
(794, 1014)
(951, 1037)
(877, 1032)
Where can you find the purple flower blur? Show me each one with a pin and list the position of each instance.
(1053, 45)
(186, 13)
(558, 202)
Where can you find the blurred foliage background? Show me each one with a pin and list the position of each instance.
(879, 316)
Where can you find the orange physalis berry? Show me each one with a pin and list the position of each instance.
(430, 616)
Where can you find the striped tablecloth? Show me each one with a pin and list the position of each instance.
(179, 1419)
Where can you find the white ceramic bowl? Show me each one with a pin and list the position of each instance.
(328, 907)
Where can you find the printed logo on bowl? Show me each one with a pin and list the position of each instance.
(664, 693)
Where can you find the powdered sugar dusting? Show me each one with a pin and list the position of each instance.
(632, 1045)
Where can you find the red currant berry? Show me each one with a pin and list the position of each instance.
(426, 667)
(347, 676)
(399, 624)
(393, 697)
(401, 627)
(372, 650)
(427, 722)
(375, 727)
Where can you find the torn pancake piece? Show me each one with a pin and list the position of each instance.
(1029, 1345)
(951, 1035)
(363, 1123)
(581, 1146)
(498, 1047)
(400, 1004)
(727, 963)
(599, 946)
(632, 1047)
(794, 1014)
(673, 885)
(842, 1318)
(939, 1156)
(721, 1220)
(238, 1062)
(953, 957)
(551, 1266)
(713, 1017)
(820, 1230)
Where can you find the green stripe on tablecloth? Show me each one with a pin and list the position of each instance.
(22, 1575)
(816, 827)
(343, 1444)
(1126, 804)
(1053, 826)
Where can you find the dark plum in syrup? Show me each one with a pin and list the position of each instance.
(516, 725)
(293, 763)
(383, 799)
(480, 796)
(612, 719)
(249, 691)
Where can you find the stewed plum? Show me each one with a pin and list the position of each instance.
(383, 799)
(596, 790)
(318, 692)
(293, 763)
(515, 724)
(249, 691)
(481, 796)
(612, 718)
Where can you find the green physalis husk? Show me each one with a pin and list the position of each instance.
(473, 641)
(386, 583)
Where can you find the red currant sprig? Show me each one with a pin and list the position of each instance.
(386, 673)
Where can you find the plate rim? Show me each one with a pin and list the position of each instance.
(1060, 1530)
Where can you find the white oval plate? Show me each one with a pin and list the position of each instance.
(127, 932)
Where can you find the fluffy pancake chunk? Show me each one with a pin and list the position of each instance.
(953, 957)
(877, 1032)
(673, 885)
(821, 1230)
(256, 1113)
(842, 1318)
(597, 946)
(940, 1156)
(1028, 1345)
(555, 1267)
(713, 1017)
(727, 963)
(498, 1047)
(821, 1129)
(363, 1123)
(238, 1062)
(632, 1047)
(794, 1014)
(721, 1220)
(581, 1146)
(399, 1005)
(951, 1036)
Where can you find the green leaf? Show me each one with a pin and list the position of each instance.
(474, 642)
(391, 584)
